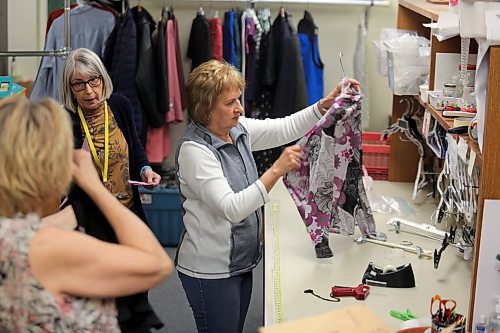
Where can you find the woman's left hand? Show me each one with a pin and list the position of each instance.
(150, 177)
(326, 102)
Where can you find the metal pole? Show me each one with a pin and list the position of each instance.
(52, 53)
(67, 31)
(62, 52)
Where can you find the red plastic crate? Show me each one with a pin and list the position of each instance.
(376, 153)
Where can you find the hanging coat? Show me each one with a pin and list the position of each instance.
(313, 67)
(199, 46)
(89, 27)
(120, 59)
(146, 70)
(284, 70)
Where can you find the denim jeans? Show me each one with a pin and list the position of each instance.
(219, 305)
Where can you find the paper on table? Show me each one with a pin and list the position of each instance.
(359, 319)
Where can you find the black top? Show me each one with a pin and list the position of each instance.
(199, 47)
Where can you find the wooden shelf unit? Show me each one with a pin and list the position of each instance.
(404, 158)
(447, 123)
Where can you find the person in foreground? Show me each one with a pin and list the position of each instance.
(55, 280)
(103, 124)
(222, 195)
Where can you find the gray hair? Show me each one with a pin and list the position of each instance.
(87, 63)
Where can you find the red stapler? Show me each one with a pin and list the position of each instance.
(360, 292)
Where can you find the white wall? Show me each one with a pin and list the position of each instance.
(337, 32)
(26, 30)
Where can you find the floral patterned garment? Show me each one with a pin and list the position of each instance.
(328, 187)
(118, 172)
(25, 305)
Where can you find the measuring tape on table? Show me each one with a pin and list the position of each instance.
(278, 306)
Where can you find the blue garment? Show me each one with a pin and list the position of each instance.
(228, 51)
(90, 28)
(219, 305)
(237, 40)
(313, 67)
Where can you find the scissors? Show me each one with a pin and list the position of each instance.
(444, 310)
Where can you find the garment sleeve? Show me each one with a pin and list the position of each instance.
(44, 85)
(201, 173)
(270, 133)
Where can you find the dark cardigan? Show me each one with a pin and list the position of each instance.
(134, 312)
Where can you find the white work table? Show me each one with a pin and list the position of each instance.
(299, 269)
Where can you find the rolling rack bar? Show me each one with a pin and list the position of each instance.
(62, 52)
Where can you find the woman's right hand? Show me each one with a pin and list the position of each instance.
(84, 172)
(290, 159)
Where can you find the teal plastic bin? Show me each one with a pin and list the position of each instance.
(164, 212)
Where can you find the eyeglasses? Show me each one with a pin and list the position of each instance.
(93, 83)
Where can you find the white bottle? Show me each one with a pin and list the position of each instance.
(480, 326)
(494, 320)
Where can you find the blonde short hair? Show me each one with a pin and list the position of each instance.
(36, 143)
(87, 63)
(207, 82)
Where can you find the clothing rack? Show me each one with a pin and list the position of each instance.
(318, 2)
(62, 52)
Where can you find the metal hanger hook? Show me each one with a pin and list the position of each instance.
(341, 54)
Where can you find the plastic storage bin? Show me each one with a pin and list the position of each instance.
(407, 68)
(376, 153)
(164, 212)
(439, 102)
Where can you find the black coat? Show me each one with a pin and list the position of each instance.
(285, 71)
(146, 71)
(120, 59)
(135, 314)
(199, 47)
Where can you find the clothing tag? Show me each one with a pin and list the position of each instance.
(472, 161)
(462, 149)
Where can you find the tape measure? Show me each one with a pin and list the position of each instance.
(278, 306)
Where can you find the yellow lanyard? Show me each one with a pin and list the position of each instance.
(104, 169)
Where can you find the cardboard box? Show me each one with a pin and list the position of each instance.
(359, 319)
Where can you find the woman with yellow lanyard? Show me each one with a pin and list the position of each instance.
(103, 124)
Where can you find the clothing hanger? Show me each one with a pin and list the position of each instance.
(200, 11)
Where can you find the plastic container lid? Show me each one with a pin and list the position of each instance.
(482, 319)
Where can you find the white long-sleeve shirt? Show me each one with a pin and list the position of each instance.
(222, 194)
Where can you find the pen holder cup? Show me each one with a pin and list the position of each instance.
(439, 326)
